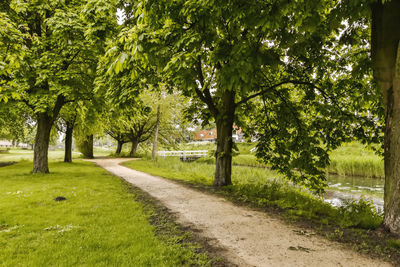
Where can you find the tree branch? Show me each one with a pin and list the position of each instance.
(204, 94)
(57, 107)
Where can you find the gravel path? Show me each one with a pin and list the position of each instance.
(246, 237)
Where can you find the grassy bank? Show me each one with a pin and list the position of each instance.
(354, 159)
(99, 224)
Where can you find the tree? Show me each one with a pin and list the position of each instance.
(229, 57)
(59, 51)
(385, 47)
(117, 132)
(66, 123)
(131, 123)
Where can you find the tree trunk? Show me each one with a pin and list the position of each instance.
(385, 45)
(119, 147)
(154, 151)
(135, 143)
(68, 143)
(42, 139)
(223, 155)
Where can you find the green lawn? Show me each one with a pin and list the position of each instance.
(100, 223)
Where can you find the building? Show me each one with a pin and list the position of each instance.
(211, 135)
(237, 134)
(9, 144)
(206, 135)
(5, 143)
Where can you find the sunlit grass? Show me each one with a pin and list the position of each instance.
(99, 223)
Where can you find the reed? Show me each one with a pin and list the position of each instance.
(354, 159)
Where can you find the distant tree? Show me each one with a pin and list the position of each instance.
(117, 131)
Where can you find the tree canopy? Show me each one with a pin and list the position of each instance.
(285, 71)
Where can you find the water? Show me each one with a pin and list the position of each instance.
(344, 188)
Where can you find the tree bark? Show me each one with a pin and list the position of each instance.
(155, 142)
(68, 142)
(42, 139)
(119, 147)
(223, 155)
(385, 45)
(135, 143)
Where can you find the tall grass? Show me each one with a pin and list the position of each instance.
(353, 159)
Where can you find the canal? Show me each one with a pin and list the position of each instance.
(344, 188)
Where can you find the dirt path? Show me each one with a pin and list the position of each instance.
(248, 238)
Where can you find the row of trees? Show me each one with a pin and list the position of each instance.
(298, 75)
(156, 115)
(50, 73)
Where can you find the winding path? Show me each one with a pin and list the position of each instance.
(246, 237)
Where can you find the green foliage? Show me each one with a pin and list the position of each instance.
(394, 243)
(85, 145)
(15, 123)
(57, 46)
(361, 214)
(57, 56)
(100, 215)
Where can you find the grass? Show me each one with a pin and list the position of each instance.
(262, 187)
(99, 224)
